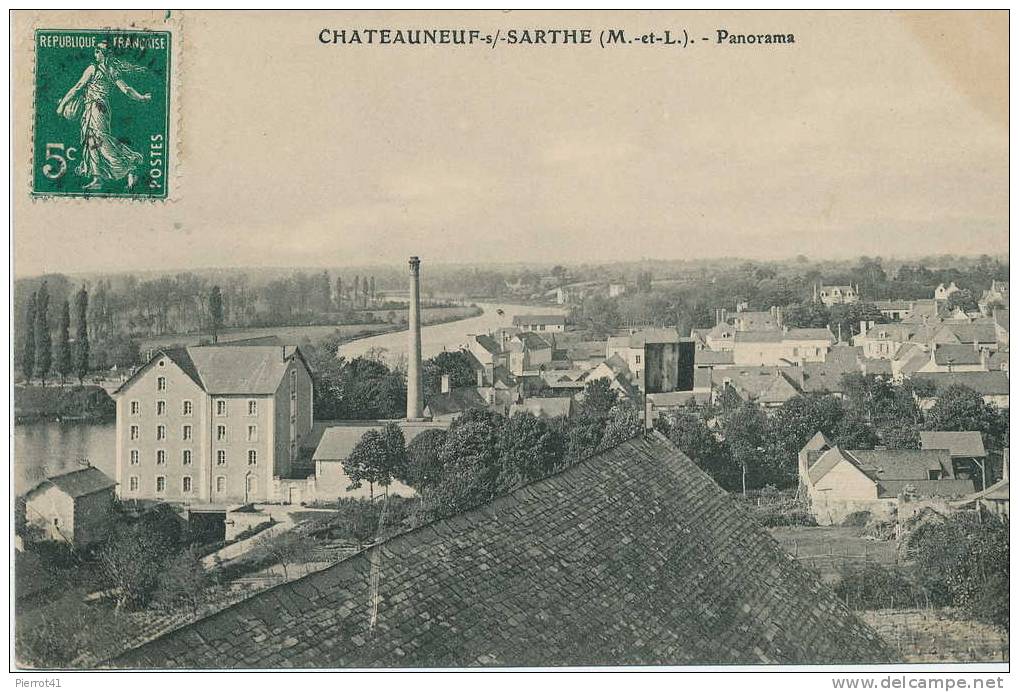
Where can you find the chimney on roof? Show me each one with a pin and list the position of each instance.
(414, 392)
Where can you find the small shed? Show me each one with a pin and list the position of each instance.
(969, 458)
(76, 507)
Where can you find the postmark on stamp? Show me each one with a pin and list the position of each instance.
(102, 114)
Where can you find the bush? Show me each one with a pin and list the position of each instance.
(776, 515)
(858, 519)
(871, 586)
(963, 562)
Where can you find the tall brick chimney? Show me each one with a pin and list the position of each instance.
(414, 394)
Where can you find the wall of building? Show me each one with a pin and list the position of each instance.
(44, 506)
(293, 416)
(276, 424)
(774, 353)
(877, 348)
(845, 490)
(93, 517)
(144, 390)
(331, 482)
(543, 327)
(237, 470)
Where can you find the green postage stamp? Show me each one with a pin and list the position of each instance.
(102, 114)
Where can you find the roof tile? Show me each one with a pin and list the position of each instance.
(713, 587)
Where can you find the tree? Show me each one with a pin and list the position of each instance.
(853, 433)
(582, 439)
(560, 273)
(43, 342)
(960, 408)
(529, 448)
(455, 364)
(624, 423)
(81, 345)
(815, 315)
(395, 446)
(424, 467)
(601, 313)
(339, 294)
(28, 350)
(367, 463)
(870, 275)
(131, 562)
(801, 417)
(286, 548)
(325, 293)
(748, 439)
(962, 299)
(470, 462)
(963, 561)
(598, 400)
(846, 318)
(184, 582)
(371, 287)
(64, 361)
(215, 313)
(120, 350)
(691, 435)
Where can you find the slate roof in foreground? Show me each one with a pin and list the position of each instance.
(79, 482)
(633, 556)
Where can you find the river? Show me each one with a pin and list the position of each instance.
(47, 448)
(444, 337)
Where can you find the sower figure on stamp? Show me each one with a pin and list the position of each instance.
(102, 157)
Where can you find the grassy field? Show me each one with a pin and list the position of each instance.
(827, 548)
(314, 332)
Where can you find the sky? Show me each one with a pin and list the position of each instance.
(875, 133)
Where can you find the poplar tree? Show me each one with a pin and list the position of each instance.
(28, 354)
(43, 342)
(64, 363)
(215, 312)
(81, 346)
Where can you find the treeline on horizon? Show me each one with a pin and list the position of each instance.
(690, 301)
(124, 307)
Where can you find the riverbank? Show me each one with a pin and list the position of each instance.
(85, 403)
(469, 312)
(438, 338)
